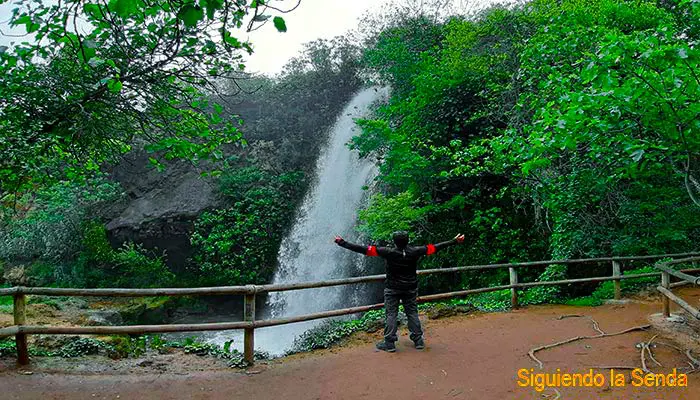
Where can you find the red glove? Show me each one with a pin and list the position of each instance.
(338, 239)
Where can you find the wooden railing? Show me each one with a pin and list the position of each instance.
(21, 329)
(666, 285)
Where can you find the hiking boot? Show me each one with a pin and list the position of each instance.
(386, 346)
(420, 344)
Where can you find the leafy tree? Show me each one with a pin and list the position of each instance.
(99, 77)
(612, 92)
(547, 129)
(392, 54)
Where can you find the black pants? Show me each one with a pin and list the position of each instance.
(392, 297)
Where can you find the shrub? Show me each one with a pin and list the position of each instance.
(134, 268)
(7, 347)
(238, 245)
(331, 332)
(47, 229)
(101, 265)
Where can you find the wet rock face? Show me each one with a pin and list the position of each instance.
(159, 208)
(168, 236)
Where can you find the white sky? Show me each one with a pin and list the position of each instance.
(313, 19)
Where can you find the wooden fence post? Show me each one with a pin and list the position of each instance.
(513, 292)
(249, 336)
(617, 273)
(666, 283)
(20, 317)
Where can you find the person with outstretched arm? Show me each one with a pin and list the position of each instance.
(401, 283)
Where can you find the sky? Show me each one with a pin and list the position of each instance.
(313, 19)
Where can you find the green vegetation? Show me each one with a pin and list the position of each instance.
(238, 245)
(127, 346)
(544, 130)
(264, 183)
(331, 332)
(57, 234)
(5, 300)
(48, 221)
(7, 347)
(606, 290)
(233, 357)
(553, 129)
(73, 348)
(134, 73)
(60, 244)
(100, 265)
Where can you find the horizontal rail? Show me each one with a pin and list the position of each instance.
(254, 289)
(8, 331)
(280, 287)
(678, 284)
(551, 262)
(682, 260)
(461, 293)
(142, 329)
(318, 315)
(131, 329)
(682, 303)
(375, 278)
(680, 275)
(442, 296)
(220, 290)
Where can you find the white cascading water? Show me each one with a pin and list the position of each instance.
(308, 252)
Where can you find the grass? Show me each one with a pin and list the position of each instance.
(5, 302)
(606, 290)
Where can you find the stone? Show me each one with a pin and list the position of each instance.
(374, 325)
(679, 319)
(104, 317)
(445, 310)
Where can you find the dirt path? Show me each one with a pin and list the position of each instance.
(468, 357)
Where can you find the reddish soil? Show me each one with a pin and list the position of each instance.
(467, 357)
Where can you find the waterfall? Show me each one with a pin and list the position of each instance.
(308, 252)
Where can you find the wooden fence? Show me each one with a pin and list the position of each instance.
(21, 329)
(666, 285)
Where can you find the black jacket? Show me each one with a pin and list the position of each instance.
(401, 264)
